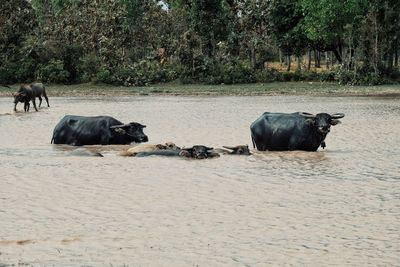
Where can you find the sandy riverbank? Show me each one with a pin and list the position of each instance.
(281, 88)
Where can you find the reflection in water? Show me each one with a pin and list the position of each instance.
(338, 206)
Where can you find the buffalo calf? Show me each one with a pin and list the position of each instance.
(27, 93)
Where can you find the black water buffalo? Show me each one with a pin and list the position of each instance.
(196, 152)
(295, 131)
(28, 93)
(101, 130)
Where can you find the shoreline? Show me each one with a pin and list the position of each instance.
(265, 89)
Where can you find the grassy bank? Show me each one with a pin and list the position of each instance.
(279, 88)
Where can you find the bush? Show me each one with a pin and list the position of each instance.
(104, 76)
(13, 72)
(89, 68)
(212, 71)
(139, 74)
(235, 72)
(52, 72)
(327, 76)
(345, 77)
(270, 75)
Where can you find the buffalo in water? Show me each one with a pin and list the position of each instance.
(100, 130)
(195, 152)
(133, 151)
(27, 93)
(294, 131)
(234, 150)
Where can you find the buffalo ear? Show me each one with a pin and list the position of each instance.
(160, 146)
(310, 121)
(335, 122)
(190, 150)
(118, 130)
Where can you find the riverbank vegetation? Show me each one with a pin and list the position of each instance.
(140, 43)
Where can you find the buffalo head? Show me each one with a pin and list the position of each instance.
(20, 97)
(323, 121)
(197, 152)
(238, 150)
(132, 131)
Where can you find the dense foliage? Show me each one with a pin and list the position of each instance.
(138, 42)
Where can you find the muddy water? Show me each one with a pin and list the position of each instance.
(338, 206)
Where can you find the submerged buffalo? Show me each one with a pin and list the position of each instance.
(28, 93)
(100, 130)
(133, 151)
(234, 150)
(196, 152)
(294, 131)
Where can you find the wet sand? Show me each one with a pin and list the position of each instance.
(337, 206)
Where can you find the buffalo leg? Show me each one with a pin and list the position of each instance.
(15, 107)
(26, 106)
(47, 99)
(40, 101)
(34, 104)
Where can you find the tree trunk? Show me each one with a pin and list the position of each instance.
(396, 56)
(376, 45)
(280, 57)
(327, 60)
(299, 63)
(317, 57)
(337, 55)
(288, 62)
(309, 60)
(253, 57)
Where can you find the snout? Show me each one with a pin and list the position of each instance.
(324, 129)
(200, 155)
(144, 138)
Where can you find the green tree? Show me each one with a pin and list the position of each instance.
(325, 22)
(17, 39)
(286, 18)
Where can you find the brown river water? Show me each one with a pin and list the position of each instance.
(335, 207)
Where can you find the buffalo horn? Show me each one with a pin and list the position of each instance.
(337, 115)
(230, 147)
(118, 126)
(209, 148)
(306, 115)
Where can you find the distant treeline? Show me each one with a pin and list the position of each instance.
(138, 42)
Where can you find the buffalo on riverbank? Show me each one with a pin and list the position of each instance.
(27, 93)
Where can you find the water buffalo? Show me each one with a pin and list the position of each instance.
(196, 152)
(295, 131)
(100, 130)
(28, 93)
(148, 148)
(234, 150)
